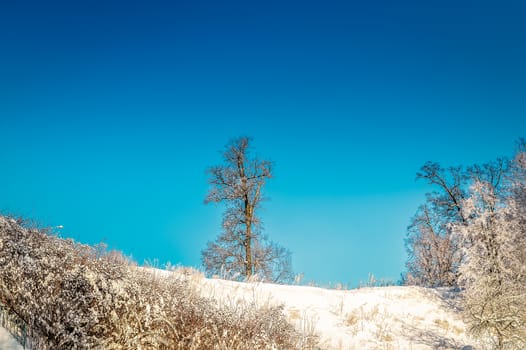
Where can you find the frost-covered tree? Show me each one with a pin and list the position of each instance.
(471, 233)
(433, 252)
(493, 240)
(493, 274)
(517, 179)
(241, 250)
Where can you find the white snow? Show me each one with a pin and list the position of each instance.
(389, 318)
(386, 318)
(7, 342)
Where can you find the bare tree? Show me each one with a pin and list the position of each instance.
(241, 250)
(433, 253)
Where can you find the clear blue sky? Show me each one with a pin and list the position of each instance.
(110, 112)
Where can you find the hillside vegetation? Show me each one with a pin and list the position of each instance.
(73, 296)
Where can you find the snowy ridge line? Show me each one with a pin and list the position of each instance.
(378, 318)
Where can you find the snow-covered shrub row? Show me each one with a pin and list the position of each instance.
(77, 297)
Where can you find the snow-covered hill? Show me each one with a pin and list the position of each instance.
(394, 318)
(387, 318)
(106, 292)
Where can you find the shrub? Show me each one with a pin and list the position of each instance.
(77, 296)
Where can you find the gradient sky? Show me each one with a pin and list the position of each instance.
(110, 113)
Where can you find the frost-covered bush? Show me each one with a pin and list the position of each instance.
(493, 271)
(80, 297)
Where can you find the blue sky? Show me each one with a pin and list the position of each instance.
(110, 113)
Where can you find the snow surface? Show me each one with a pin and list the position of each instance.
(389, 318)
(7, 342)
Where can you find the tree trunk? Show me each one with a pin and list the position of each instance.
(248, 251)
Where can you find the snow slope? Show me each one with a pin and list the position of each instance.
(7, 342)
(387, 318)
(391, 318)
